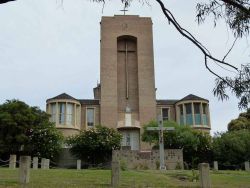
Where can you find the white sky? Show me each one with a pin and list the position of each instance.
(47, 48)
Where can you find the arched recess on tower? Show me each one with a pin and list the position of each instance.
(127, 74)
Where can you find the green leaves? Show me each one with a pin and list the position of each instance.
(22, 125)
(232, 148)
(95, 145)
(195, 144)
(242, 122)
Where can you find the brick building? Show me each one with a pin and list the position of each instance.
(125, 98)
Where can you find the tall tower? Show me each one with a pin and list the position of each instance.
(127, 76)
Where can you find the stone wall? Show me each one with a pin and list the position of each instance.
(149, 159)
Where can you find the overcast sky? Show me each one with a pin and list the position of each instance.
(48, 47)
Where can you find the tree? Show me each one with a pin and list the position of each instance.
(232, 148)
(95, 145)
(242, 122)
(197, 146)
(27, 130)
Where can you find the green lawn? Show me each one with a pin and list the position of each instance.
(101, 178)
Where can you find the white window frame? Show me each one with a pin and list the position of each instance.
(86, 116)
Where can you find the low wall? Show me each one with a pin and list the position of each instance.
(149, 159)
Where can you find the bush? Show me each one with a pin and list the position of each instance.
(95, 145)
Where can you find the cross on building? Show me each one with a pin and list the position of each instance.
(161, 141)
(126, 50)
(124, 10)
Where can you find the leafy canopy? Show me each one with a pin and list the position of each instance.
(232, 148)
(197, 146)
(242, 122)
(27, 130)
(95, 145)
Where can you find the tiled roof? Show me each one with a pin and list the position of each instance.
(63, 96)
(166, 102)
(192, 97)
(89, 101)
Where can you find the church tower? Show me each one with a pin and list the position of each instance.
(127, 98)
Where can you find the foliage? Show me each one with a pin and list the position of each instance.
(236, 14)
(95, 145)
(239, 86)
(232, 148)
(242, 122)
(27, 130)
(195, 144)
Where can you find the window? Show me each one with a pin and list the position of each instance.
(127, 139)
(189, 116)
(61, 113)
(70, 114)
(204, 108)
(53, 112)
(90, 117)
(197, 114)
(204, 114)
(164, 112)
(188, 108)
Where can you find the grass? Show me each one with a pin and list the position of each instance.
(61, 178)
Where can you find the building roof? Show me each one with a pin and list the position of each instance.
(89, 101)
(192, 97)
(62, 96)
(166, 102)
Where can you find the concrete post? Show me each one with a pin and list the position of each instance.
(12, 162)
(35, 163)
(204, 175)
(47, 163)
(24, 169)
(78, 164)
(43, 163)
(115, 174)
(247, 166)
(216, 165)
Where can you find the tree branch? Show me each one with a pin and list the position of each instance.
(237, 5)
(5, 1)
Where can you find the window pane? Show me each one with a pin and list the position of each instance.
(90, 117)
(61, 113)
(188, 108)
(189, 119)
(70, 114)
(53, 112)
(204, 117)
(165, 114)
(204, 108)
(197, 108)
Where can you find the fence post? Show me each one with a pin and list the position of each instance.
(78, 164)
(35, 163)
(12, 162)
(24, 169)
(43, 163)
(47, 163)
(115, 174)
(204, 175)
(216, 165)
(247, 166)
